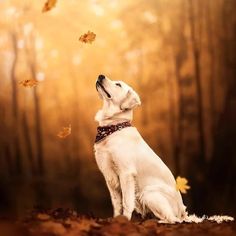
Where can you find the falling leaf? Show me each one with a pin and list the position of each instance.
(29, 83)
(66, 131)
(182, 184)
(49, 4)
(88, 37)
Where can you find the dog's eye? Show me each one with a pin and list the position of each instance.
(118, 84)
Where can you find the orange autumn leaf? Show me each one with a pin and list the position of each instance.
(29, 83)
(182, 184)
(65, 131)
(49, 4)
(88, 37)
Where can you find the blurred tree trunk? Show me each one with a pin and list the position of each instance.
(172, 126)
(196, 50)
(15, 111)
(5, 153)
(8, 158)
(180, 128)
(196, 56)
(40, 157)
(179, 55)
(32, 63)
(64, 121)
(28, 143)
(197, 165)
(211, 50)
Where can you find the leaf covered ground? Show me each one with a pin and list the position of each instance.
(67, 222)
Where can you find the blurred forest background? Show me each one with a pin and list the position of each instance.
(179, 55)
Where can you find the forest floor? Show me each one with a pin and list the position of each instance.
(61, 222)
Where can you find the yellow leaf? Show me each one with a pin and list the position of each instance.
(65, 131)
(49, 4)
(29, 83)
(182, 184)
(88, 37)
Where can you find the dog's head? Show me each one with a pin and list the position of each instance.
(119, 99)
(117, 93)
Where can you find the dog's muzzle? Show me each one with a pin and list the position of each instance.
(99, 83)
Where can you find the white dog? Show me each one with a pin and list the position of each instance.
(136, 177)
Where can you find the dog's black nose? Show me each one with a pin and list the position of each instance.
(101, 78)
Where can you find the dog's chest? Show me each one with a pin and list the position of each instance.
(104, 158)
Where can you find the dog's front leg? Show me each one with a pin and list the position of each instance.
(127, 182)
(112, 180)
(113, 185)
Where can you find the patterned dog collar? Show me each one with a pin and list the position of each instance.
(104, 131)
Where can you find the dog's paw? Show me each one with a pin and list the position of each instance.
(127, 214)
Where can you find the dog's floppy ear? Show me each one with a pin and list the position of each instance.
(131, 101)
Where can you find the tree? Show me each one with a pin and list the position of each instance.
(32, 64)
(15, 109)
(196, 50)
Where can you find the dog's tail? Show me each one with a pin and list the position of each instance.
(215, 218)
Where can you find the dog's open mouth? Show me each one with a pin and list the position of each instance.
(98, 84)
